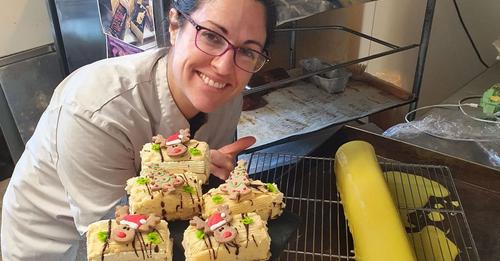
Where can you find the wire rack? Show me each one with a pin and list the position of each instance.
(308, 184)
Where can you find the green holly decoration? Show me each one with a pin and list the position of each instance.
(142, 180)
(217, 199)
(102, 236)
(247, 220)
(153, 238)
(156, 147)
(271, 187)
(194, 151)
(188, 189)
(200, 234)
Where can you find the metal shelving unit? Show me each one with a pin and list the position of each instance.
(308, 184)
(246, 127)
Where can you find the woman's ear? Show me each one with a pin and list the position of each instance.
(174, 26)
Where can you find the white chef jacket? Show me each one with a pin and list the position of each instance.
(85, 147)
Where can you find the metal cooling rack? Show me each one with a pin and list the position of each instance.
(310, 192)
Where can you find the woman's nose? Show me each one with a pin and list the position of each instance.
(224, 64)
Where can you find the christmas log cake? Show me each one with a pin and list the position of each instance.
(223, 236)
(178, 153)
(167, 195)
(244, 195)
(129, 237)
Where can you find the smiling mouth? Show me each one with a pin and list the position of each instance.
(211, 82)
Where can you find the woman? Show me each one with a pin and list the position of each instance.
(87, 142)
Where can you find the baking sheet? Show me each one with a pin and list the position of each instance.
(302, 108)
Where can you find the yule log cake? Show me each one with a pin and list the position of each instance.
(177, 153)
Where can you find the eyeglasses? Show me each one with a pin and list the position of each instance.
(214, 44)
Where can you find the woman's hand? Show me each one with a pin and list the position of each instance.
(223, 158)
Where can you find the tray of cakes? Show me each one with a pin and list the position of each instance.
(176, 211)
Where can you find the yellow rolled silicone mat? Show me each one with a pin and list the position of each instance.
(373, 219)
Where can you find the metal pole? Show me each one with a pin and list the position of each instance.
(57, 35)
(337, 27)
(327, 69)
(293, 49)
(160, 11)
(422, 53)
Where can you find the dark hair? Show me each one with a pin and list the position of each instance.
(190, 6)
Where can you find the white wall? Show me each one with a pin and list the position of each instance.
(25, 25)
(451, 61)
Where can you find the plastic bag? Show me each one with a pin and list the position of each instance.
(453, 133)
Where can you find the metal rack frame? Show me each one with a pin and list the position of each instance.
(310, 192)
(423, 46)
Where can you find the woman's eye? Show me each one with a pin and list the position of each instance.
(248, 53)
(212, 37)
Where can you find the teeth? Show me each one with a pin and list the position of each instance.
(211, 82)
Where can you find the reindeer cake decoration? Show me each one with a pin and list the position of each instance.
(129, 224)
(174, 144)
(218, 225)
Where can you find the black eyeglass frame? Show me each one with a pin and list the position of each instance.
(230, 45)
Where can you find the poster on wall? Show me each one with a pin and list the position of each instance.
(116, 47)
(128, 26)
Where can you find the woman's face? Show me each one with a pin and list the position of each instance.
(200, 82)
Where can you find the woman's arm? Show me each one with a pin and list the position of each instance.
(95, 160)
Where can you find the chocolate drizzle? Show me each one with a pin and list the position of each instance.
(163, 210)
(142, 244)
(156, 230)
(253, 237)
(259, 188)
(161, 155)
(211, 250)
(247, 227)
(149, 191)
(164, 214)
(227, 248)
(235, 245)
(106, 244)
(133, 246)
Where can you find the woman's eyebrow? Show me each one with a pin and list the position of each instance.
(225, 31)
(254, 42)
